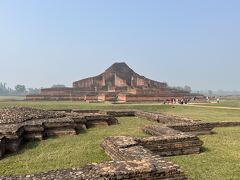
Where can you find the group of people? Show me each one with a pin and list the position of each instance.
(214, 98)
(187, 100)
(176, 101)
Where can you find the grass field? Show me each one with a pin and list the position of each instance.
(220, 159)
(11, 98)
(206, 114)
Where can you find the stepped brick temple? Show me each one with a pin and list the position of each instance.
(119, 83)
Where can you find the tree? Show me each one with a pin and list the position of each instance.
(187, 88)
(34, 91)
(210, 92)
(58, 86)
(4, 90)
(20, 89)
(178, 88)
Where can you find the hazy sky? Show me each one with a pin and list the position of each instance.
(45, 42)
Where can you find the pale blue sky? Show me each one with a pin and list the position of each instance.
(45, 42)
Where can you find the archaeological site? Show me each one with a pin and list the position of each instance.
(119, 83)
(132, 158)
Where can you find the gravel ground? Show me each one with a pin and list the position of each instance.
(21, 114)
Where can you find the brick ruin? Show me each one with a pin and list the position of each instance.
(119, 83)
(132, 158)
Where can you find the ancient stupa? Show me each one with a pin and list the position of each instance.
(118, 83)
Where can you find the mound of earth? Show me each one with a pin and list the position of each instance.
(21, 114)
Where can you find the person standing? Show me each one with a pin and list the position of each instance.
(208, 99)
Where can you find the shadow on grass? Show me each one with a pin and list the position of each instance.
(213, 132)
(81, 131)
(204, 149)
(23, 148)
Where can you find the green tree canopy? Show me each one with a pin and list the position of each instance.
(20, 89)
(58, 86)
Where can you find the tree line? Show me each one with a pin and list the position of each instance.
(185, 88)
(19, 90)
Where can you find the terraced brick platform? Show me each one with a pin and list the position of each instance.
(23, 126)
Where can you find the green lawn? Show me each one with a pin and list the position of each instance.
(206, 114)
(220, 160)
(11, 98)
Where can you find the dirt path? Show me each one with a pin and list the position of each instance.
(214, 107)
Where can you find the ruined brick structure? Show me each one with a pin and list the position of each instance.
(132, 158)
(117, 83)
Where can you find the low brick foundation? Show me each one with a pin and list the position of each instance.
(162, 118)
(114, 170)
(100, 120)
(13, 135)
(122, 148)
(169, 142)
(120, 113)
(201, 128)
(194, 128)
(59, 128)
(133, 158)
(33, 132)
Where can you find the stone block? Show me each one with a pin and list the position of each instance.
(122, 113)
(2, 146)
(13, 145)
(33, 136)
(59, 132)
(169, 142)
(96, 120)
(33, 132)
(197, 128)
